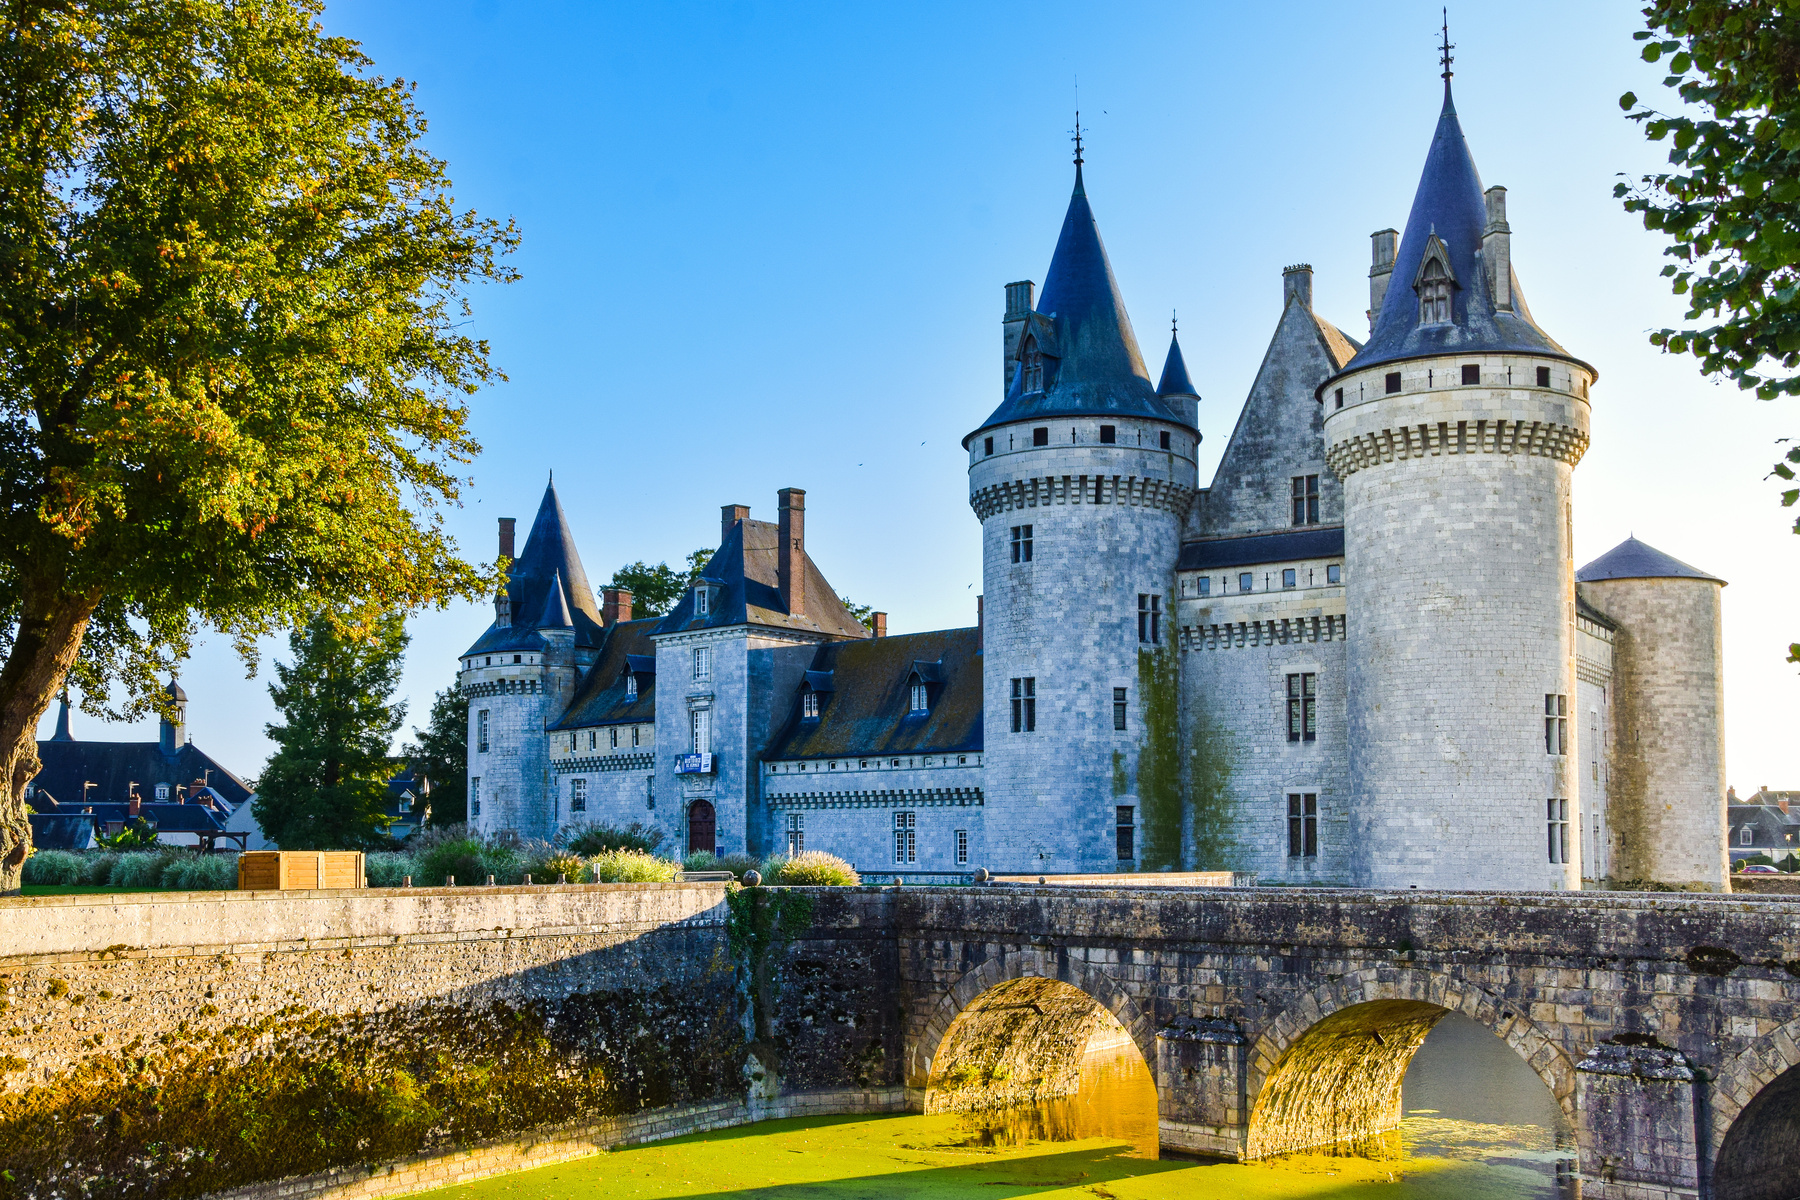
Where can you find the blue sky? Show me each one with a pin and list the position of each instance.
(764, 245)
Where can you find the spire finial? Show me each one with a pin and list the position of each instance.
(1444, 49)
(1078, 137)
(1172, 325)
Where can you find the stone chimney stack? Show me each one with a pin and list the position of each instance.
(506, 537)
(1384, 244)
(1019, 298)
(729, 516)
(790, 557)
(878, 622)
(1296, 284)
(1496, 249)
(615, 606)
(503, 603)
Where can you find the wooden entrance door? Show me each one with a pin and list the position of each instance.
(701, 826)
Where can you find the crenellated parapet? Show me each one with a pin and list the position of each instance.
(1007, 495)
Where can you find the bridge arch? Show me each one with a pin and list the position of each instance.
(1021, 1006)
(1329, 1068)
(1756, 1118)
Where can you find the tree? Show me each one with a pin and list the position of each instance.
(325, 787)
(1730, 205)
(442, 752)
(233, 358)
(656, 590)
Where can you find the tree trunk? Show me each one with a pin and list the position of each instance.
(52, 623)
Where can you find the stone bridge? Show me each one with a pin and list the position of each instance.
(1666, 1026)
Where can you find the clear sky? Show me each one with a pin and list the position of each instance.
(765, 244)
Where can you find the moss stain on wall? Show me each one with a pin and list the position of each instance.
(1159, 760)
(1211, 755)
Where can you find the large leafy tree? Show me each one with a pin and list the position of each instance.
(442, 752)
(233, 360)
(1730, 202)
(325, 787)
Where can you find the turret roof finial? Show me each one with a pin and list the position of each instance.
(1078, 137)
(1444, 49)
(1172, 326)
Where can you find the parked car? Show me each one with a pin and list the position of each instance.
(1760, 869)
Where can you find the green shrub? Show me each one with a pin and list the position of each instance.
(560, 863)
(138, 869)
(97, 867)
(459, 858)
(588, 839)
(631, 866)
(810, 868)
(53, 868)
(389, 869)
(192, 872)
(706, 860)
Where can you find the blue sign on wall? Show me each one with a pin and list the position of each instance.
(694, 764)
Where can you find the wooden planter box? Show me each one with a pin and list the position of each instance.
(294, 870)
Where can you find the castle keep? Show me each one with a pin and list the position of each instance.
(1362, 655)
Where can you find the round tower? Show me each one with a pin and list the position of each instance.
(1080, 479)
(1455, 432)
(1665, 811)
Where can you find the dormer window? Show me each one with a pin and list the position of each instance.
(162, 791)
(406, 803)
(920, 701)
(1434, 295)
(809, 705)
(702, 601)
(631, 685)
(1033, 361)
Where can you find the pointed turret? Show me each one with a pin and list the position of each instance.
(62, 721)
(549, 554)
(556, 609)
(1175, 375)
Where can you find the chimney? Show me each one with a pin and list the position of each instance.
(1783, 801)
(506, 537)
(980, 621)
(171, 736)
(878, 622)
(1018, 313)
(135, 803)
(729, 516)
(1296, 284)
(790, 556)
(503, 602)
(1384, 244)
(615, 606)
(1496, 249)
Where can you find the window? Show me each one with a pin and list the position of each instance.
(702, 661)
(1119, 708)
(809, 705)
(796, 833)
(1334, 573)
(1206, 585)
(702, 599)
(919, 702)
(1034, 367)
(634, 734)
(1245, 581)
(406, 803)
(1745, 835)
(1471, 373)
(1125, 830)
(1303, 707)
(1165, 439)
(1149, 618)
(1306, 499)
(904, 832)
(1024, 705)
(490, 661)
(577, 795)
(1544, 377)
(700, 731)
(631, 690)
(962, 847)
(1393, 382)
(1021, 543)
(593, 739)
(1288, 578)
(1434, 294)
(1340, 398)
(987, 446)
(515, 658)
(481, 731)
(475, 796)
(162, 791)
(1556, 814)
(1303, 824)
(615, 737)
(1108, 435)
(1040, 436)
(1556, 724)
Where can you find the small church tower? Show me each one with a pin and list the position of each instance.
(1080, 480)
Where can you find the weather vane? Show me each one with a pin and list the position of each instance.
(1446, 46)
(1078, 137)
(1171, 320)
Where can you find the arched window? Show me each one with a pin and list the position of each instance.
(1434, 294)
(1033, 366)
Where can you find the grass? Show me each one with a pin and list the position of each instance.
(81, 889)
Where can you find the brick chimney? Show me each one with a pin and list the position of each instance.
(503, 602)
(615, 605)
(878, 622)
(729, 516)
(135, 804)
(790, 557)
(506, 537)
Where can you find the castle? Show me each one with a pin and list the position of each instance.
(1362, 656)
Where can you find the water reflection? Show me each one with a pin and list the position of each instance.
(1116, 1098)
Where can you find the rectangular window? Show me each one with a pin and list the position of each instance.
(1149, 618)
(1126, 831)
(1340, 398)
(796, 833)
(1206, 585)
(1303, 824)
(1393, 382)
(1288, 578)
(1556, 814)
(919, 701)
(1245, 581)
(615, 737)
(475, 796)
(1303, 707)
(1165, 439)
(1543, 377)
(1119, 708)
(1556, 724)
(905, 831)
(1471, 373)
(1021, 543)
(1108, 435)
(962, 847)
(1334, 573)
(631, 688)
(1040, 436)
(702, 599)
(1746, 836)
(702, 661)
(577, 795)
(635, 730)
(481, 731)
(1306, 499)
(987, 446)
(700, 731)
(809, 704)
(1024, 705)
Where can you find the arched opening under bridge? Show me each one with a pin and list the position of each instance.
(1756, 1159)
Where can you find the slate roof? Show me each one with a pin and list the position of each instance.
(1632, 559)
(1175, 374)
(549, 557)
(112, 766)
(600, 697)
(866, 711)
(1449, 203)
(1593, 614)
(1096, 368)
(745, 569)
(168, 818)
(1218, 553)
(61, 831)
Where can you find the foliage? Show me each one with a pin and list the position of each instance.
(442, 752)
(631, 866)
(170, 867)
(390, 868)
(865, 613)
(462, 859)
(1159, 790)
(560, 866)
(234, 347)
(588, 838)
(705, 860)
(325, 788)
(1730, 204)
(810, 868)
(55, 867)
(140, 834)
(657, 589)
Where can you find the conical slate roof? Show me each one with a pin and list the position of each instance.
(1449, 204)
(1632, 559)
(556, 609)
(549, 556)
(1175, 376)
(1093, 366)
